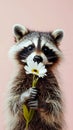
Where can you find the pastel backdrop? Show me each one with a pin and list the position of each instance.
(42, 15)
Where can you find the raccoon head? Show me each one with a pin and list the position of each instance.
(37, 46)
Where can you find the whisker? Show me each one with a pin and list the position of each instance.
(22, 56)
(52, 57)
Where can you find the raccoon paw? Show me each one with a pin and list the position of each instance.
(25, 95)
(33, 104)
(34, 93)
(31, 93)
(33, 101)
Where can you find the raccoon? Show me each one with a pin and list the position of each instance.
(47, 99)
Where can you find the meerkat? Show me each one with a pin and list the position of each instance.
(41, 47)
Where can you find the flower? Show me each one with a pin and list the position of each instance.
(35, 68)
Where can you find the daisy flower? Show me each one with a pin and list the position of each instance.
(35, 69)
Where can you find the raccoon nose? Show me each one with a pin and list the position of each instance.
(37, 59)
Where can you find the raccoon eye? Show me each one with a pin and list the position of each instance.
(45, 50)
(30, 48)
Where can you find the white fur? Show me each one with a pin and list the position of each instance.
(19, 46)
(23, 29)
(11, 120)
(50, 45)
(32, 55)
(58, 32)
(25, 95)
(35, 41)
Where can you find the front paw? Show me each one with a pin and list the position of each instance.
(33, 104)
(34, 93)
(33, 101)
(30, 94)
(25, 95)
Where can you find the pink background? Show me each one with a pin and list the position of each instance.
(43, 15)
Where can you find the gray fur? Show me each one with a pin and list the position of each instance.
(46, 98)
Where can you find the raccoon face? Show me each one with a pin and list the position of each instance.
(37, 46)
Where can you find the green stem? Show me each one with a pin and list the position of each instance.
(28, 115)
(27, 123)
(35, 80)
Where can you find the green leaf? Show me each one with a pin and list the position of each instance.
(31, 113)
(25, 112)
(28, 115)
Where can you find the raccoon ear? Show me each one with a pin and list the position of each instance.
(58, 35)
(19, 31)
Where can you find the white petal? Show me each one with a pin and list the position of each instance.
(36, 65)
(41, 69)
(30, 63)
(43, 72)
(27, 69)
(41, 75)
(40, 65)
(28, 72)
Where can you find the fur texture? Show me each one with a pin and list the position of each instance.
(49, 106)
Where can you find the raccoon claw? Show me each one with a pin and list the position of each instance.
(34, 93)
(26, 95)
(31, 93)
(33, 104)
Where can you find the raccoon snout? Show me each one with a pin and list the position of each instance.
(38, 59)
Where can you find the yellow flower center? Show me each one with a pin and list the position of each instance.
(35, 71)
